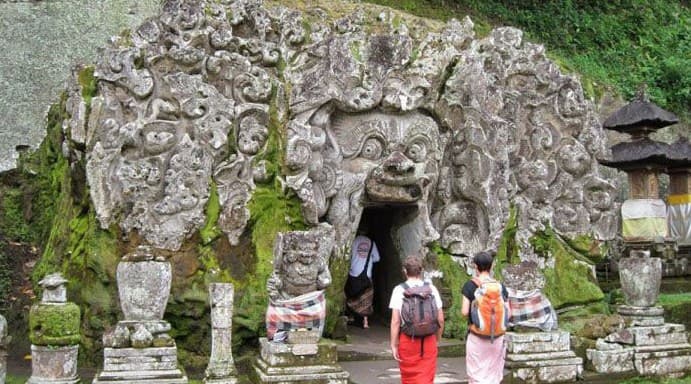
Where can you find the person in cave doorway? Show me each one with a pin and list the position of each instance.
(363, 255)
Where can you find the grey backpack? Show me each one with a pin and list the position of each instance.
(419, 311)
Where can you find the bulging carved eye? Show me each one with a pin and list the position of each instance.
(372, 149)
(416, 152)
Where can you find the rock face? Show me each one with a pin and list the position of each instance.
(43, 40)
(375, 110)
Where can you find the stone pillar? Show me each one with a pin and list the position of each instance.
(4, 341)
(54, 331)
(221, 369)
(139, 350)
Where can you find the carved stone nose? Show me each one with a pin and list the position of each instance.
(398, 163)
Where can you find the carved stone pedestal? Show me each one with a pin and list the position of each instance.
(140, 366)
(541, 357)
(54, 365)
(648, 345)
(283, 363)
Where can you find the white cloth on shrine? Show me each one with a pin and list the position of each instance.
(679, 220)
(644, 219)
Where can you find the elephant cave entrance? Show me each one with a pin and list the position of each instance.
(387, 226)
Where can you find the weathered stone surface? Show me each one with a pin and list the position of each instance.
(374, 112)
(140, 366)
(279, 364)
(301, 262)
(537, 342)
(54, 365)
(54, 289)
(640, 279)
(44, 39)
(664, 362)
(610, 361)
(221, 368)
(659, 335)
(144, 287)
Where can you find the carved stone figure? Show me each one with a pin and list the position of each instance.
(296, 286)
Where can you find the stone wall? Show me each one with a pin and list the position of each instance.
(41, 41)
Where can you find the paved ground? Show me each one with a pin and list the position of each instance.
(450, 370)
(372, 363)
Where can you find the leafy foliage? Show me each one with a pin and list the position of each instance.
(621, 43)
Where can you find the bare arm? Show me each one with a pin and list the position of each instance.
(465, 307)
(395, 329)
(440, 320)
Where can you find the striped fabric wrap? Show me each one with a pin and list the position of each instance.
(531, 309)
(305, 311)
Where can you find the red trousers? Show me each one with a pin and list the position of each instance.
(418, 359)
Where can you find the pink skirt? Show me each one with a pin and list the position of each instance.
(484, 360)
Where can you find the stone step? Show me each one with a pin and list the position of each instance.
(170, 374)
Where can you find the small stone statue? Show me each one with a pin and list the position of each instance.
(54, 327)
(296, 286)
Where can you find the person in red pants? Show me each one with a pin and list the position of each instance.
(416, 355)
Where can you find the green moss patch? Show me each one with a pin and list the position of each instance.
(452, 281)
(570, 281)
(54, 324)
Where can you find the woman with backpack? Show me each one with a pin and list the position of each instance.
(359, 289)
(484, 302)
(417, 323)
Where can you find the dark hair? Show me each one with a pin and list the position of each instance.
(413, 266)
(483, 261)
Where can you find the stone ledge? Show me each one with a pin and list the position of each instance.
(513, 364)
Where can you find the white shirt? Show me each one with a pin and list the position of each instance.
(397, 294)
(358, 256)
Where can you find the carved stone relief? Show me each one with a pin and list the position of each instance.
(374, 110)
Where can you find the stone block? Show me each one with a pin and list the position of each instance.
(54, 365)
(284, 355)
(278, 363)
(537, 342)
(140, 366)
(551, 374)
(667, 334)
(669, 362)
(612, 361)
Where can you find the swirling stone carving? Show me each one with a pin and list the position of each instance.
(373, 109)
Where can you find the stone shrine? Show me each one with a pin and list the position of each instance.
(648, 344)
(537, 352)
(138, 350)
(221, 368)
(54, 332)
(292, 352)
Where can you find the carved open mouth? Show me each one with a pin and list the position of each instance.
(401, 194)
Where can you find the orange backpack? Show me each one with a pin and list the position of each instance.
(489, 312)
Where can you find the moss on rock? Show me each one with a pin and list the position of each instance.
(570, 281)
(452, 280)
(55, 325)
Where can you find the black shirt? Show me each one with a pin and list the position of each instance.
(469, 292)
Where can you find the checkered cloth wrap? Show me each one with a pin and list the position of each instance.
(531, 309)
(305, 311)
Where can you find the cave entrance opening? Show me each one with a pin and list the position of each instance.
(388, 226)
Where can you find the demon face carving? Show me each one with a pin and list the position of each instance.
(399, 154)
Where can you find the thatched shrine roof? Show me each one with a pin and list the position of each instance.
(639, 116)
(644, 153)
